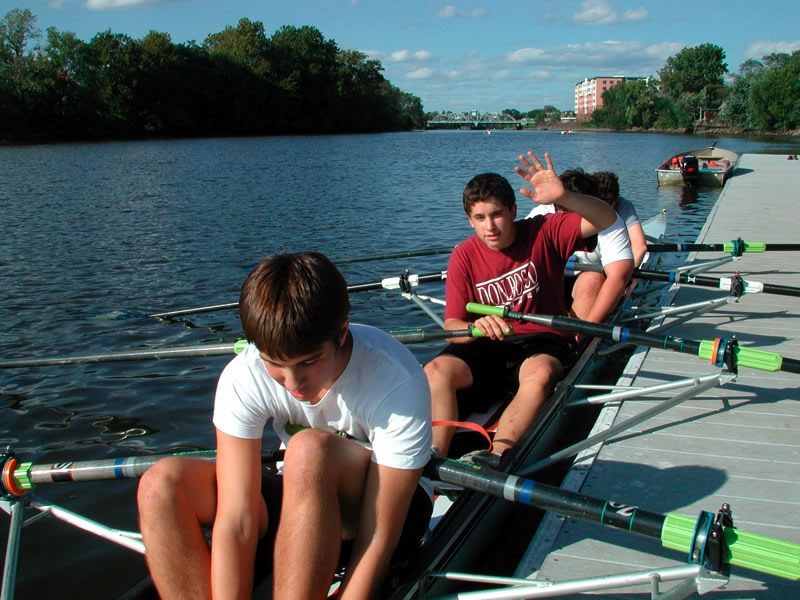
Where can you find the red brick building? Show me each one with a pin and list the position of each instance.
(589, 94)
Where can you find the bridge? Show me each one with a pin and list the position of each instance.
(473, 120)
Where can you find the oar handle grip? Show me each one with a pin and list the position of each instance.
(735, 246)
(748, 550)
(762, 360)
(485, 309)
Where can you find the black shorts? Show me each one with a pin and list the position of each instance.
(415, 527)
(495, 365)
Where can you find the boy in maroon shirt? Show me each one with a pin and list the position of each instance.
(518, 264)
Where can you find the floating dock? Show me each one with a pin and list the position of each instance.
(737, 443)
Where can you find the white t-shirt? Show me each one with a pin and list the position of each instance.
(382, 397)
(627, 211)
(613, 243)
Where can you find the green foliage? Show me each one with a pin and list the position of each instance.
(694, 69)
(775, 93)
(239, 81)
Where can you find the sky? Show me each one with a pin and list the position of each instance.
(464, 55)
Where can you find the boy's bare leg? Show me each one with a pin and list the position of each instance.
(176, 497)
(446, 375)
(323, 483)
(537, 378)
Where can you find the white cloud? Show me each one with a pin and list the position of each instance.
(636, 15)
(599, 12)
(502, 75)
(406, 56)
(763, 48)
(450, 12)
(423, 73)
(525, 55)
(112, 4)
(540, 74)
(611, 55)
(595, 12)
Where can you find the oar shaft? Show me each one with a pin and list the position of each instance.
(181, 352)
(387, 283)
(723, 283)
(714, 350)
(751, 551)
(729, 247)
(28, 475)
(405, 336)
(408, 254)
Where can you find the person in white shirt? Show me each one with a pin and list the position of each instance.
(351, 405)
(593, 294)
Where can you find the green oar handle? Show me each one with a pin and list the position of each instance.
(745, 357)
(417, 336)
(748, 550)
(484, 309)
(734, 247)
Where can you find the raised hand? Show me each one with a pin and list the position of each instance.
(546, 187)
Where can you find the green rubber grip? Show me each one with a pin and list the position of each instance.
(484, 309)
(22, 476)
(475, 332)
(239, 346)
(763, 360)
(747, 550)
(748, 246)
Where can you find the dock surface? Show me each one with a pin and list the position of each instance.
(738, 443)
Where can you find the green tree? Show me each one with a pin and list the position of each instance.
(737, 110)
(775, 96)
(17, 31)
(246, 45)
(693, 70)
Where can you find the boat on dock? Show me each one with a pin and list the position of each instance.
(703, 167)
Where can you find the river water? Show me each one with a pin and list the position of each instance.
(96, 237)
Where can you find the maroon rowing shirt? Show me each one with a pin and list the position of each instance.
(526, 277)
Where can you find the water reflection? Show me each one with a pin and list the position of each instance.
(688, 196)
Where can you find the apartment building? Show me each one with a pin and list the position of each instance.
(589, 94)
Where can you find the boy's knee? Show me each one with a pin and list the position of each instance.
(159, 483)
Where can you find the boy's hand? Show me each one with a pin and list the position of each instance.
(546, 187)
(493, 327)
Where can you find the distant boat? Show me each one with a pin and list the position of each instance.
(705, 167)
(488, 131)
(566, 131)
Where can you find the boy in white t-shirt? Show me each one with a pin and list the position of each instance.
(594, 295)
(352, 406)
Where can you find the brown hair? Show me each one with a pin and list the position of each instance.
(487, 186)
(607, 186)
(291, 304)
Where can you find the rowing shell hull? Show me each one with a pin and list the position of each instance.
(474, 519)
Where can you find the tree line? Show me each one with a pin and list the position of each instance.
(238, 81)
(763, 96)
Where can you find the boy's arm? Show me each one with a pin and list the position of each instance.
(617, 274)
(638, 243)
(387, 496)
(241, 516)
(547, 188)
